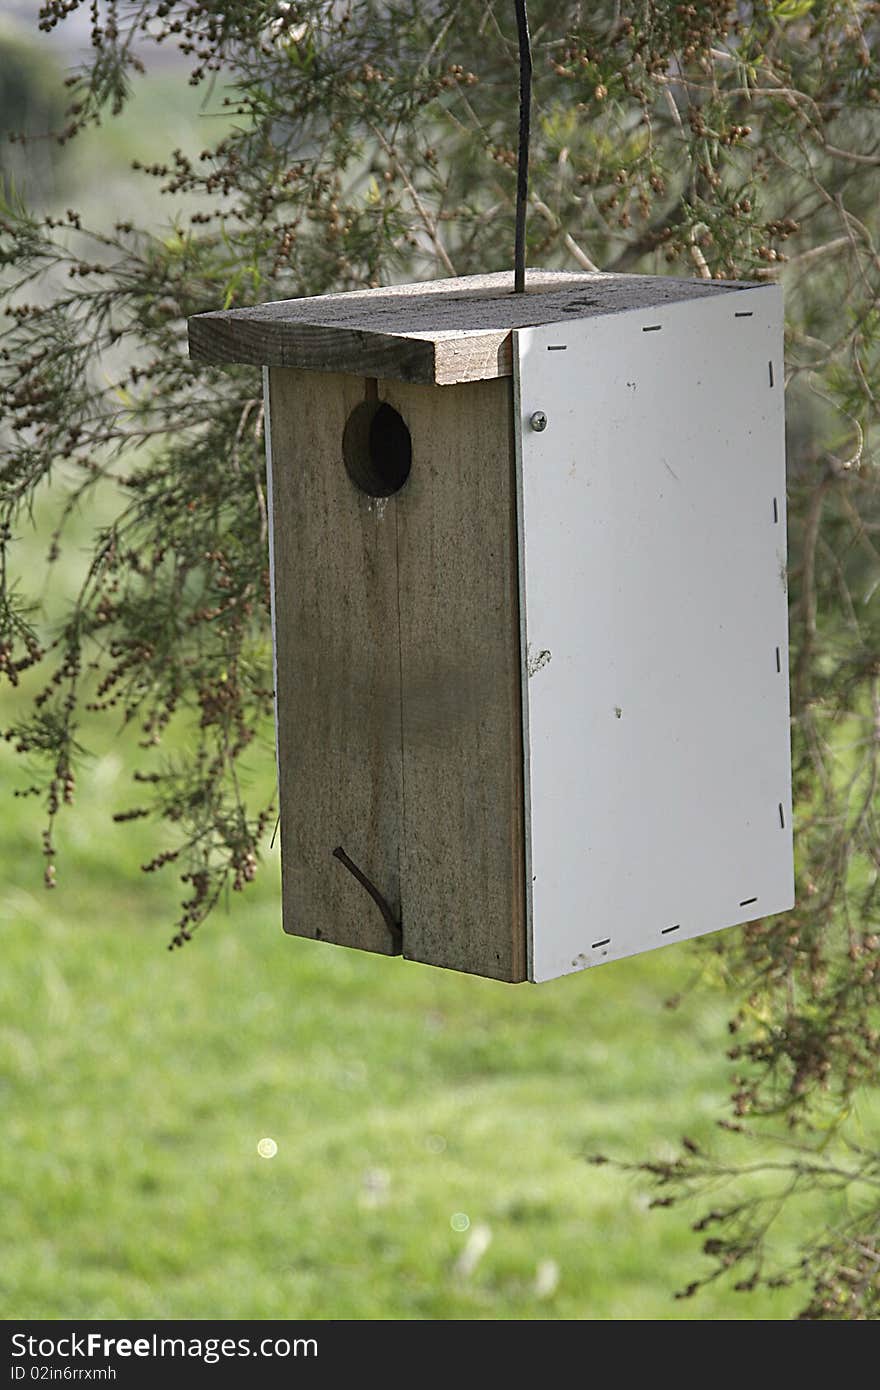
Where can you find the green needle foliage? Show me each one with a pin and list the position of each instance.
(373, 142)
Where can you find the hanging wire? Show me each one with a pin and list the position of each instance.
(522, 168)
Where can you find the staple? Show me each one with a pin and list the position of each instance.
(747, 901)
(775, 512)
(743, 314)
(664, 931)
(778, 661)
(653, 328)
(770, 365)
(557, 347)
(597, 944)
(781, 817)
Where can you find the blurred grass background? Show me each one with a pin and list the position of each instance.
(430, 1130)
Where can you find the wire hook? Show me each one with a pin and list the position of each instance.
(522, 167)
(394, 927)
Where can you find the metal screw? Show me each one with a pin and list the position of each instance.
(538, 421)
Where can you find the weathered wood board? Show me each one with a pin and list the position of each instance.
(462, 875)
(437, 333)
(398, 705)
(338, 668)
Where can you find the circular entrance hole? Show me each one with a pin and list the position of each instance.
(377, 449)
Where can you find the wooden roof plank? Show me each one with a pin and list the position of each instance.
(437, 332)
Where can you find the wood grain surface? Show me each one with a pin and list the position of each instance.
(338, 669)
(436, 333)
(463, 852)
(398, 675)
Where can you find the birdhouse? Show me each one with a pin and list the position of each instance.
(529, 607)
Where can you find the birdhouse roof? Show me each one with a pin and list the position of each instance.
(435, 333)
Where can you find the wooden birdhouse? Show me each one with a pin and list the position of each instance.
(530, 619)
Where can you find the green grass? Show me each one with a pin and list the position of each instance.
(138, 1084)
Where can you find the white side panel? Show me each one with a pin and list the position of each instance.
(653, 552)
